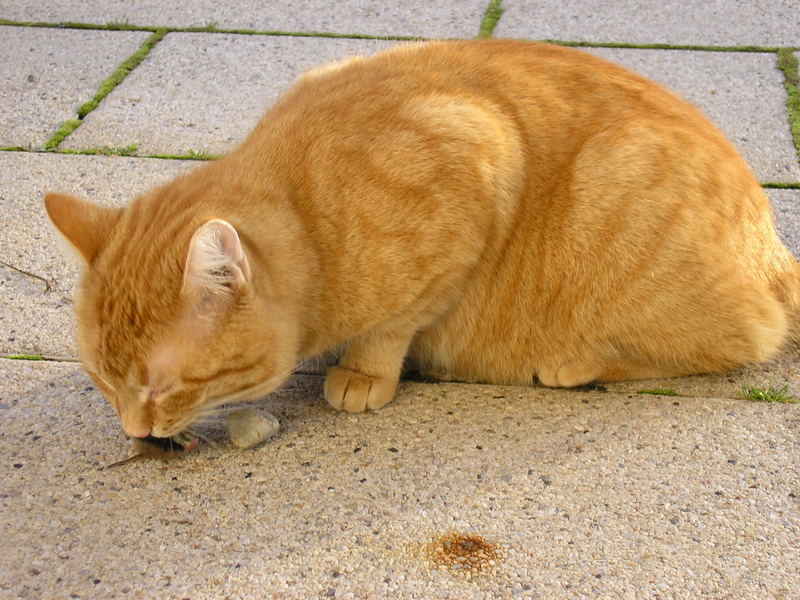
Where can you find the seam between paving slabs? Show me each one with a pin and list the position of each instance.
(494, 9)
(491, 16)
(210, 28)
(119, 74)
(788, 65)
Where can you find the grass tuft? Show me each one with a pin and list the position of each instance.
(199, 155)
(491, 16)
(787, 63)
(769, 394)
(659, 392)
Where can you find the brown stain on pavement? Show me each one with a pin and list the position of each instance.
(466, 554)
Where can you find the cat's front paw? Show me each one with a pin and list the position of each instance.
(355, 392)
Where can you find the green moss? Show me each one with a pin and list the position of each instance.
(707, 48)
(208, 28)
(24, 357)
(659, 392)
(114, 26)
(200, 155)
(491, 16)
(128, 150)
(121, 73)
(771, 393)
(72, 25)
(777, 185)
(787, 63)
(62, 132)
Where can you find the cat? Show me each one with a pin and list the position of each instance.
(496, 211)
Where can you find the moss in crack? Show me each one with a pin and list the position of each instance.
(62, 132)
(787, 63)
(210, 27)
(779, 185)
(121, 72)
(200, 155)
(491, 16)
(659, 392)
(695, 47)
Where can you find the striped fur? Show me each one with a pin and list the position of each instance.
(495, 211)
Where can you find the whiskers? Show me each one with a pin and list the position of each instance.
(212, 409)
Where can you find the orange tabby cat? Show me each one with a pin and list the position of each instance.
(497, 211)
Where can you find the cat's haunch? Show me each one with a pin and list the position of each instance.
(497, 211)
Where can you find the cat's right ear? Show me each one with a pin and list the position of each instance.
(82, 224)
(216, 265)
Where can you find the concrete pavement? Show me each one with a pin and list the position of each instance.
(452, 491)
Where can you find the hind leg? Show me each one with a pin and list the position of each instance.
(578, 372)
(571, 373)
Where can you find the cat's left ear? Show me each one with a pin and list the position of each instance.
(82, 224)
(215, 264)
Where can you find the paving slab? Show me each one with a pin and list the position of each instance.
(742, 92)
(786, 204)
(32, 319)
(715, 22)
(556, 494)
(45, 77)
(204, 92)
(443, 18)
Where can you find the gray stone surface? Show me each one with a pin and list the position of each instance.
(443, 18)
(585, 494)
(741, 92)
(33, 320)
(45, 77)
(786, 205)
(205, 92)
(714, 22)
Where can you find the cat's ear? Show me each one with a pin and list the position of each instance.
(82, 224)
(215, 264)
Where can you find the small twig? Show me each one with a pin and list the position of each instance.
(46, 283)
(123, 461)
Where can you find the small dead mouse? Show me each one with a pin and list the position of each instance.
(161, 448)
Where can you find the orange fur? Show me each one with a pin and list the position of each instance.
(495, 210)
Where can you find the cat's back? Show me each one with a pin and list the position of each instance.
(547, 99)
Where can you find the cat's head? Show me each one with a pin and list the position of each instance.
(171, 321)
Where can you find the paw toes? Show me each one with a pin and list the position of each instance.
(569, 374)
(355, 392)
